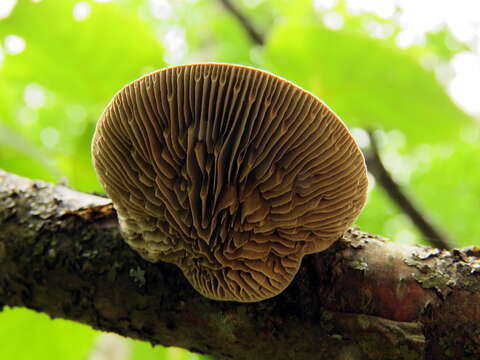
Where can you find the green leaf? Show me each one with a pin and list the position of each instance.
(368, 82)
(78, 66)
(29, 335)
(448, 186)
(144, 351)
(85, 60)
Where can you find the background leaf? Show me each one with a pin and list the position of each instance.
(27, 334)
(368, 82)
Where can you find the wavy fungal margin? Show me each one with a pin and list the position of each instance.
(229, 172)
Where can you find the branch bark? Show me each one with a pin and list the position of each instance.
(365, 298)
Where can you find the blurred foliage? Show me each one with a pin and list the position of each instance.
(144, 351)
(76, 66)
(27, 335)
(79, 53)
(370, 83)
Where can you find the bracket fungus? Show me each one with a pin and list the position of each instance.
(229, 172)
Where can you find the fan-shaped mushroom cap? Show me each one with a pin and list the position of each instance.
(229, 172)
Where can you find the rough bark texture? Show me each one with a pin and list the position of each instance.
(365, 298)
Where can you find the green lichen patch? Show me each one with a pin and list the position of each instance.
(445, 271)
(138, 276)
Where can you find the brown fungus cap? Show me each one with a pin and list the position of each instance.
(229, 172)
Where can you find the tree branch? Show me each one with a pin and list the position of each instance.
(245, 22)
(365, 298)
(432, 233)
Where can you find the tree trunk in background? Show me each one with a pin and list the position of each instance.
(365, 298)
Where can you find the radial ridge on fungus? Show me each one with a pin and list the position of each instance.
(229, 172)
